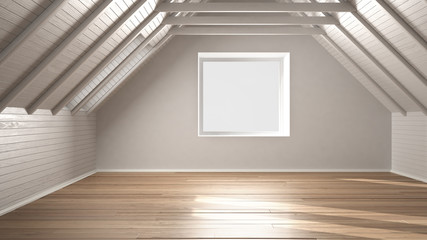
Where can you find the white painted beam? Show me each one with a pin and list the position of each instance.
(103, 64)
(383, 69)
(373, 82)
(31, 29)
(26, 81)
(402, 23)
(250, 20)
(255, 7)
(152, 51)
(245, 30)
(129, 58)
(70, 71)
(399, 56)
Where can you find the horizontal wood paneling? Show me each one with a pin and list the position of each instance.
(409, 145)
(40, 151)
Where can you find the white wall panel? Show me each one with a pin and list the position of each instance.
(409, 145)
(41, 151)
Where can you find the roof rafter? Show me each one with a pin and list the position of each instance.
(373, 82)
(402, 22)
(383, 69)
(255, 7)
(246, 30)
(130, 73)
(249, 20)
(129, 58)
(399, 56)
(378, 64)
(31, 29)
(26, 81)
(104, 63)
(64, 77)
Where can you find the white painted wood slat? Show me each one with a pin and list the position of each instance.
(32, 29)
(70, 96)
(24, 83)
(33, 158)
(409, 145)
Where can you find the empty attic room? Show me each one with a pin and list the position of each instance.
(213, 119)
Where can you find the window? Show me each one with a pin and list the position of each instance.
(244, 94)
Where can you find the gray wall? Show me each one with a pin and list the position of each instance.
(151, 123)
(409, 140)
(39, 152)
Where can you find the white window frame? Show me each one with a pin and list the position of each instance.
(284, 90)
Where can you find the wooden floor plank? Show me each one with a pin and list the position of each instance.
(288, 206)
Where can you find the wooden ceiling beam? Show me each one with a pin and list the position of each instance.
(250, 20)
(113, 73)
(71, 70)
(382, 39)
(384, 70)
(26, 81)
(365, 74)
(246, 30)
(31, 29)
(256, 7)
(71, 95)
(386, 6)
(130, 73)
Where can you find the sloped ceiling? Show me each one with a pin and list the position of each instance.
(74, 54)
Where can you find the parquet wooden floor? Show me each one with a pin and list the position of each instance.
(227, 206)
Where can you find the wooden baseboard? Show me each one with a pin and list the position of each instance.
(44, 193)
(243, 170)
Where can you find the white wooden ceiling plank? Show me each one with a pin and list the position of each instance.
(73, 11)
(16, 11)
(25, 82)
(43, 3)
(64, 16)
(31, 6)
(116, 9)
(106, 19)
(28, 32)
(115, 71)
(10, 27)
(89, 4)
(81, 61)
(407, 64)
(366, 75)
(112, 15)
(129, 74)
(374, 73)
(384, 69)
